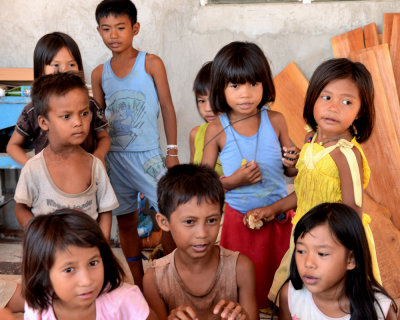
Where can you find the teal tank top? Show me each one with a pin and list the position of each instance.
(132, 108)
(272, 187)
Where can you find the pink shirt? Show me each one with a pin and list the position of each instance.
(123, 303)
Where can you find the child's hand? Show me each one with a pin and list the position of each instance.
(171, 161)
(265, 214)
(245, 175)
(230, 310)
(290, 156)
(182, 313)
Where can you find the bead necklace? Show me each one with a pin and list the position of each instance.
(322, 143)
(244, 161)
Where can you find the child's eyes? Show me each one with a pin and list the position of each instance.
(346, 102)
(65, 116)
(323, 254)
(121, 28)
(233, 85)
(326, 97)
(189, 222)
(94, 263)
(200, 101)
(68, 270)
(299, 251)
(85, 113)
(212, 220)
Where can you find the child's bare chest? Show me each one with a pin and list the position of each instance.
(72, 178)
(123, 69)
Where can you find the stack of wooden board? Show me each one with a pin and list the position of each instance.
(381, 56)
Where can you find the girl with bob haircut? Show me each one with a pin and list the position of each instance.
(332, 259)
(70, 272)
(56, 52)
(340, 114)
(255, 152)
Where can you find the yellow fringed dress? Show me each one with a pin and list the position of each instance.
(318, 181)
(199, 146)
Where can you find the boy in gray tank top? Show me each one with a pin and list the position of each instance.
(199, 280)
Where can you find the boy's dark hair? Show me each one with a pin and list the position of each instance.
(239, 62)
(58, 84)
(116, 8)
(202, 82)
(185, 181)
(343, 68)
(48, 46)
(45, 235)
(346, 226)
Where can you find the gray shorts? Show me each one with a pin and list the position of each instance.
(132, 172)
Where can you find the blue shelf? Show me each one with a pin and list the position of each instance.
(10, 109)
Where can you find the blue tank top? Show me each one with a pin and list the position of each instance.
(132, 108)
(272, 187)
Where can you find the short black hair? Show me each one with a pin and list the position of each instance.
(202, 82)
(48, 46)
(239, 62)
(47, 234)
(54, 84)
(342, 68)
(116, 8)
(183, 182)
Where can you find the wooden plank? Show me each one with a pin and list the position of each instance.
(382, 149)
(395, 51)
(347, 42)
(386, 70)
(387, 245)
(387, 26)
(16, 74)
(291, 87)
(371, 35)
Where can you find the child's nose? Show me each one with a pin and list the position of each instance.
(309, 261)
(84, 278)
(201, 231)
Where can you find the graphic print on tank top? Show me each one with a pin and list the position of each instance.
(125, 114)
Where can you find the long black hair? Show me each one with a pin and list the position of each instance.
(346, 226)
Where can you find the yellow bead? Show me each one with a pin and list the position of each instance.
(244, 162)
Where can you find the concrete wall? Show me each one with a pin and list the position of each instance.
(185, 35)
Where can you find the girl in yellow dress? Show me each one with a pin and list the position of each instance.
(339, 111)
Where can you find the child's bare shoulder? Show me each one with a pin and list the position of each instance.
(97, 72)
(153, 64)
(244, 265)
(276, 117)
(193, 133)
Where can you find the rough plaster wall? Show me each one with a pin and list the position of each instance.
(185, 35)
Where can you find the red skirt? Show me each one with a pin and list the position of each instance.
(265, 247)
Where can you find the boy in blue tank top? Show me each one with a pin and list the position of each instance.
(132, 86)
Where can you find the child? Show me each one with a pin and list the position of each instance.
(201, 89)
(199, 280)
(63, 174)
(331, 271)
(339, 107)
(56, 52)
(250, 139)
(70, 272)
(131, 86)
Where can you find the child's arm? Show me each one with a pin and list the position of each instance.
(23, 214)
(391, 314)
(246, 281)
(279, 124)
(192, 137)
(246, 307)
(98, 93)
(105, 220)
(270, 212)
(15, 148)
(284, 313)
(152, 295)
(103, 142)
(155, 68)
(213, 141)
(346, 181)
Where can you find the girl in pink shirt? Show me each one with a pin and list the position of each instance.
(70, 272)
